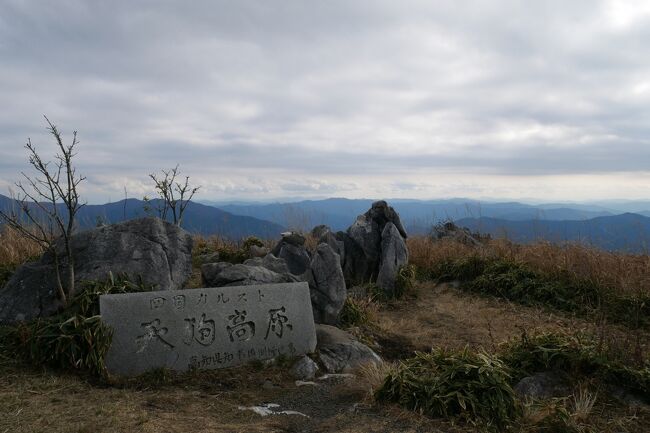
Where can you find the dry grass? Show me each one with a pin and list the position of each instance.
(628, 274)
(443, 316)
(15, 249)
(582, 403)
(371, 376)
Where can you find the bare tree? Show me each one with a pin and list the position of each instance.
(47, 205)
(175, 196)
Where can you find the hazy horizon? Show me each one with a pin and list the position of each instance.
(263, 100)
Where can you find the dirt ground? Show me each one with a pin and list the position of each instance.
(37, 400)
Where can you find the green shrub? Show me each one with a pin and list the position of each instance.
(468, 385)
(357, 312)
(75, 338)
(250, 241)
(464, 269)
(78, 342)
(579, 357)
(518, 283)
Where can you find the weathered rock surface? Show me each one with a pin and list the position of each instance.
(394, 255)
(323, 234)
(542, 386)
(210, 272)
(449, 230)
(257, 251)
(364, 246)
(296, 257)
(304, 369)
(157, 251)
(271, 263)
(247, 275)
(339, 352)
(291, 248)
(208, 258)
(327, 287)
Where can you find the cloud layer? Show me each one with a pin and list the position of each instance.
(262, 99)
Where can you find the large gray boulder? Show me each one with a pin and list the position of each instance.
(210, 272)
(327, 285)
(292, 249)
(339, 352)
(271, 263)
(394, 255)
(247, 275)
(158, 252)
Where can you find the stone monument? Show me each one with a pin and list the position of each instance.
(207, 328)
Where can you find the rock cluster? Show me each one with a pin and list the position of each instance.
(158, 252)
(374, 248)
(449, 230)
(290, 261)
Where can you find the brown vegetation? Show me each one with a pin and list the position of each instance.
(15, 249)
(627, 273)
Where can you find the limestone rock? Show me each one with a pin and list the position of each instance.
(363, 243)
(157, 251)
(323, 234)
(304, 369)
(394, 255)
(327, 288)
(339, 352)
(246, 275)
(208, 258)
(210, 272)
(296, 257)
(542, 386)
(271, 263)
(257, 251)
(463, 235)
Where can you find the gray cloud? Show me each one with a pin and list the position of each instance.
(259, 98)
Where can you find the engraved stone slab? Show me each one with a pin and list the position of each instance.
(207, 328)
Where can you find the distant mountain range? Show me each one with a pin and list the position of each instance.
(198, 218)
(627, 232)
(418, 216)
(599, 224)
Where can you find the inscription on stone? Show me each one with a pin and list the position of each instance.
(207, 328)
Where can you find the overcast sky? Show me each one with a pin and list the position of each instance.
(264, 99)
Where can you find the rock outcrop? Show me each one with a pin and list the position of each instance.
(323, 273)
(327, 285)
(292, 249)
(449, 230)
(323, 234)
(394, 255)
(543, 385)
(339, 352)
(374, 247)
(242, 275)
(158, 252)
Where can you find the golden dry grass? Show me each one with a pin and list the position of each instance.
(443, 316)
(627, 273)
(15, 248)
